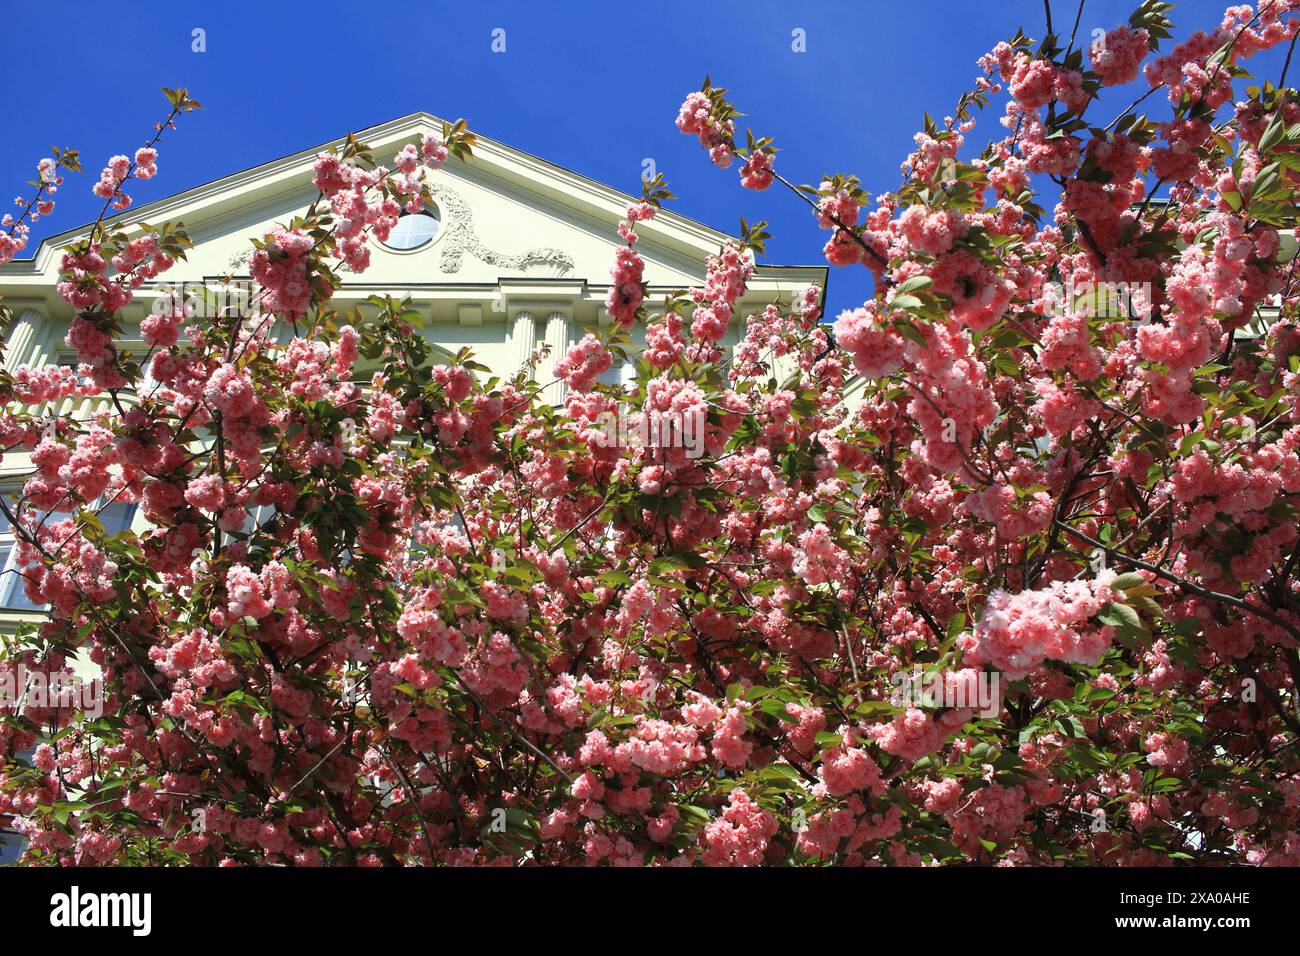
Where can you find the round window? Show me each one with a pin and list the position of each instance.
(415, 229)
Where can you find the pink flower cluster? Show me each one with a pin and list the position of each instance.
(979, 296)
(1036, 82)
(726, 278)
(421, 624)
(85, 284)
(757, 171)
(583, 363)
(1185, 70)
(931, 232)
(848, 768)
(14, 232)
(952, 401)
(282, 267)
(110, 182)
(1018, 632)
(914, 734)
(877, 349)
(255, 595)
(1014, 515)
(740, 836)
(695, 118)
(1117, 55)
(626, 292)
(819, 559)
(146, 162)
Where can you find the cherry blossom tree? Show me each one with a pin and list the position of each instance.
(1000, 567)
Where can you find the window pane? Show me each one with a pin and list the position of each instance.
(11, 847)
(11, 499)
(619, 373)
(15, 593)
(11, 844)
(413, 231)
(117, 517)
(12, 593)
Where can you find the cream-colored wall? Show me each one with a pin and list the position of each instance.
(495, 209)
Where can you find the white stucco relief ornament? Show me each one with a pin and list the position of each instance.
(460, 237)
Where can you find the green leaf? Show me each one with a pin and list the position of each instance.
(913, 284)
(1129, 579)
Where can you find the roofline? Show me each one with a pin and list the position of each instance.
(145, 211)
(148, 210)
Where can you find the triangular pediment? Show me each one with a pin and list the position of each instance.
(505, 215)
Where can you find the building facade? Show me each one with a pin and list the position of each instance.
(514, 253)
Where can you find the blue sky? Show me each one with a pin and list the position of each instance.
(591, 86)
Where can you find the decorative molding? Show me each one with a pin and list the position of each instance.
(460, 237)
